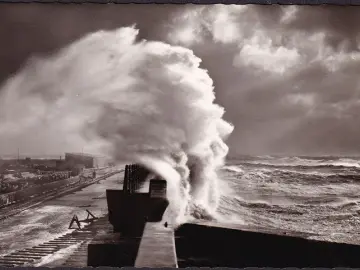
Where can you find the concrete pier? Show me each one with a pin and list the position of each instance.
(110, 248)
(157, 247)
(215, 245)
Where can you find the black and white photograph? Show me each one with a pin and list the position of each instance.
(179, 135)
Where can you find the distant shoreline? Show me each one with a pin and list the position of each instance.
(32, 157)
(49, 157)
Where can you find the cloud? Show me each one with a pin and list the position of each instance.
(197, 24)
(28, 30)
(338, 24)
(285, 73)
(306, 100)
(259, 52)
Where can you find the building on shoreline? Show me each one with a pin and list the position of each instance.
(76, 159)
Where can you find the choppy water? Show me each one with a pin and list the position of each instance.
(305, 194)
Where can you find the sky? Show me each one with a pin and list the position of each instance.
(286, 75)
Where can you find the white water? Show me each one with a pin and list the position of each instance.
(141, 101)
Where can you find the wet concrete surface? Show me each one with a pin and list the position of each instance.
(51, 219)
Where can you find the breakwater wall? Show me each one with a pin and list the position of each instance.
(221, 246)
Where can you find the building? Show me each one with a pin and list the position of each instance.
(76, 159)
(100, 162)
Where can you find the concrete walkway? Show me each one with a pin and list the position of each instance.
(157, 247)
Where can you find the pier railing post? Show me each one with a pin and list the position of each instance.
(126, 179)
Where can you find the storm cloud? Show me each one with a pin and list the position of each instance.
(287, 76)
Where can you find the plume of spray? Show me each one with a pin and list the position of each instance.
(139, 101)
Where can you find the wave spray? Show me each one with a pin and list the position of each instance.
(139, 101)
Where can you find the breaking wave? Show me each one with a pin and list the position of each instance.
(140, 101)
(297, 162)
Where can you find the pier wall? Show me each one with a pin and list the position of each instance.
(212, 246)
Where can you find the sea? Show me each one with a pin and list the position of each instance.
(319, 196)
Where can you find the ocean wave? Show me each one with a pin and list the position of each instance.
(302, 194)
(236, 169)
(253, 203)
(334, 165)
(287, 175)
(317, 162)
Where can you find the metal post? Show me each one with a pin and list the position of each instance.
(126, 176)
(131, 178)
